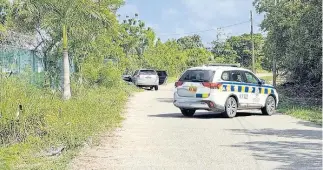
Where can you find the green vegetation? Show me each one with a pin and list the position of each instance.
(307, 112)
(267, 78)
(237, 49)
(95, 37)
(172, 79)
(46, 121)
(306, 108)
(294, 39)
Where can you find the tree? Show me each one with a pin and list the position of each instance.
(223, 52)
(294, 37)
(4, 9)
(80, 20)
(190, 42)
(242, 45)
(136, 37)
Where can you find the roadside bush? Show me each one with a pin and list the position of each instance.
(95, 71)
(46, 121)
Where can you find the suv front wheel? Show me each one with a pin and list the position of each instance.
(188, 112)
(270, 106)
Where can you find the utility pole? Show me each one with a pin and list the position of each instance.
(217, 34)
(274, 58)
(252, 43)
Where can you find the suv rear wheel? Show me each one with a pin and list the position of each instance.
(188, 112)
(270, 106)
(156, 88)
(231, 108)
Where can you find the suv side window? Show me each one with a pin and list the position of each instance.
(236, 76)
(250, 78)
(225, 76)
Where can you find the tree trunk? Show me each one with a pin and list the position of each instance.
(66, 66)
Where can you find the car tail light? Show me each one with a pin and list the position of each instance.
(212, 85)
(178, 83)
(211, 104)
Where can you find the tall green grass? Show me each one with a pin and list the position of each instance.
(297, 102)
(35, 120)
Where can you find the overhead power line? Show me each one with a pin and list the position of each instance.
(211, 29)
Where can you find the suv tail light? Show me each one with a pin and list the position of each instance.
(210, 104)
(212, 85)
(178, 83)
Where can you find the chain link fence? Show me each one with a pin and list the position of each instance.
(22, 55)
(19, 57)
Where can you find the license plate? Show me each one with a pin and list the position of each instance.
(192, 89)
(148, 77)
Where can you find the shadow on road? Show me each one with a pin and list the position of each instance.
(292, 153)
(309, 124)
(286, 133)
(202, 115)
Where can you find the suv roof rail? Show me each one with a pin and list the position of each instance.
(226, 65)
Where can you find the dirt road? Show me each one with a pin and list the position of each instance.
(156, 136)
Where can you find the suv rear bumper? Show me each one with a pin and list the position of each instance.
(144, 84)
(198, 105)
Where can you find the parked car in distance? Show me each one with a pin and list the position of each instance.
(162, 74)
(146, 78)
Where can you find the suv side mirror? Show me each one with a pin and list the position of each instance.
(262, 81)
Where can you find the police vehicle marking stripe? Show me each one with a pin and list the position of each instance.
(246, 89)
(205, 95)
(245, 84)
(232, 88)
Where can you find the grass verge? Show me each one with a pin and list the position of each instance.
(301, 106)
(172, 79)
(309, 113)
(40, 131)
(267, 78)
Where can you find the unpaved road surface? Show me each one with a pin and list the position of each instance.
(156, 136)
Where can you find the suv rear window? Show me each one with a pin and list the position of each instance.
(198, 76)
(147, 72)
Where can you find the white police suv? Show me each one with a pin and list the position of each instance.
(223, 88)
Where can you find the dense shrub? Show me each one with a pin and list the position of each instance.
(46, 121)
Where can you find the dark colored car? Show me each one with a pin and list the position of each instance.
(162, 74)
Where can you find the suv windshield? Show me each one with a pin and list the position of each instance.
(147, 72)
(198, 76)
